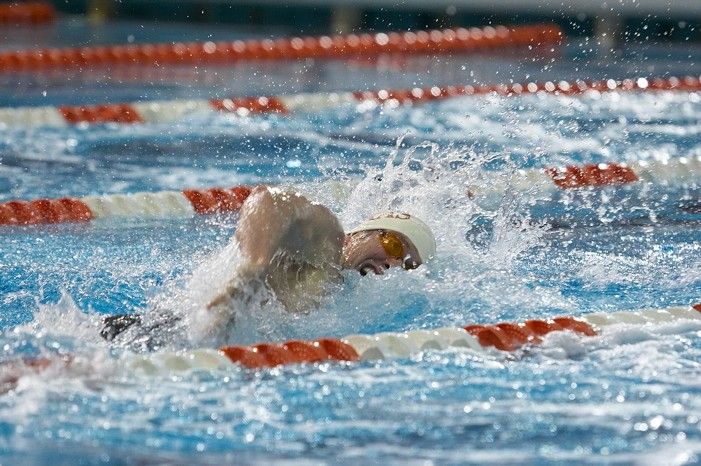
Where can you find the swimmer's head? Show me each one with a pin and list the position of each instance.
(387, 240)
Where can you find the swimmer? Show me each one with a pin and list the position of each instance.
(297, 249)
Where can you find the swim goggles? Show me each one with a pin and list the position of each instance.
(394, 248)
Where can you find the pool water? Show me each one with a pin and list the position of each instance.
(631, 395)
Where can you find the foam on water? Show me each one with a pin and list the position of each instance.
(676, 268)
(64, 318)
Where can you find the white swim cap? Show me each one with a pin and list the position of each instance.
(414, 229)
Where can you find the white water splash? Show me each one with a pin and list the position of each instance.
(63, 318)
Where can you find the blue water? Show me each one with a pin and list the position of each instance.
(630, 396)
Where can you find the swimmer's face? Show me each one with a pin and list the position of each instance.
(377, 250)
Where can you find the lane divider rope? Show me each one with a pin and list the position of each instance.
(327, 47)
(172, 204)
(175, 110)
(26, 13)
(680, 172)
(505, 336)
(191, 202)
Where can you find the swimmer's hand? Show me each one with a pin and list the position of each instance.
(229, 293)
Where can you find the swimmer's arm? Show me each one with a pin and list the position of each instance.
(261, 223)
(273, 222)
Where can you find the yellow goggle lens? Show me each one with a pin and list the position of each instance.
(392, 245)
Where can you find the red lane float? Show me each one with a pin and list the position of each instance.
(44, 211)
(26, 13)
(591, 175)
(509, 336)
(324, 47)
(213, 200)
(172, 111)
(291, 352)
(111, 113)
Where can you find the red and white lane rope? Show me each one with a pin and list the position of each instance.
(174, 204)
(175, 110)
(503, 336)
(681, 171)
(26, 13)
(354, 45)
(191, 202)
